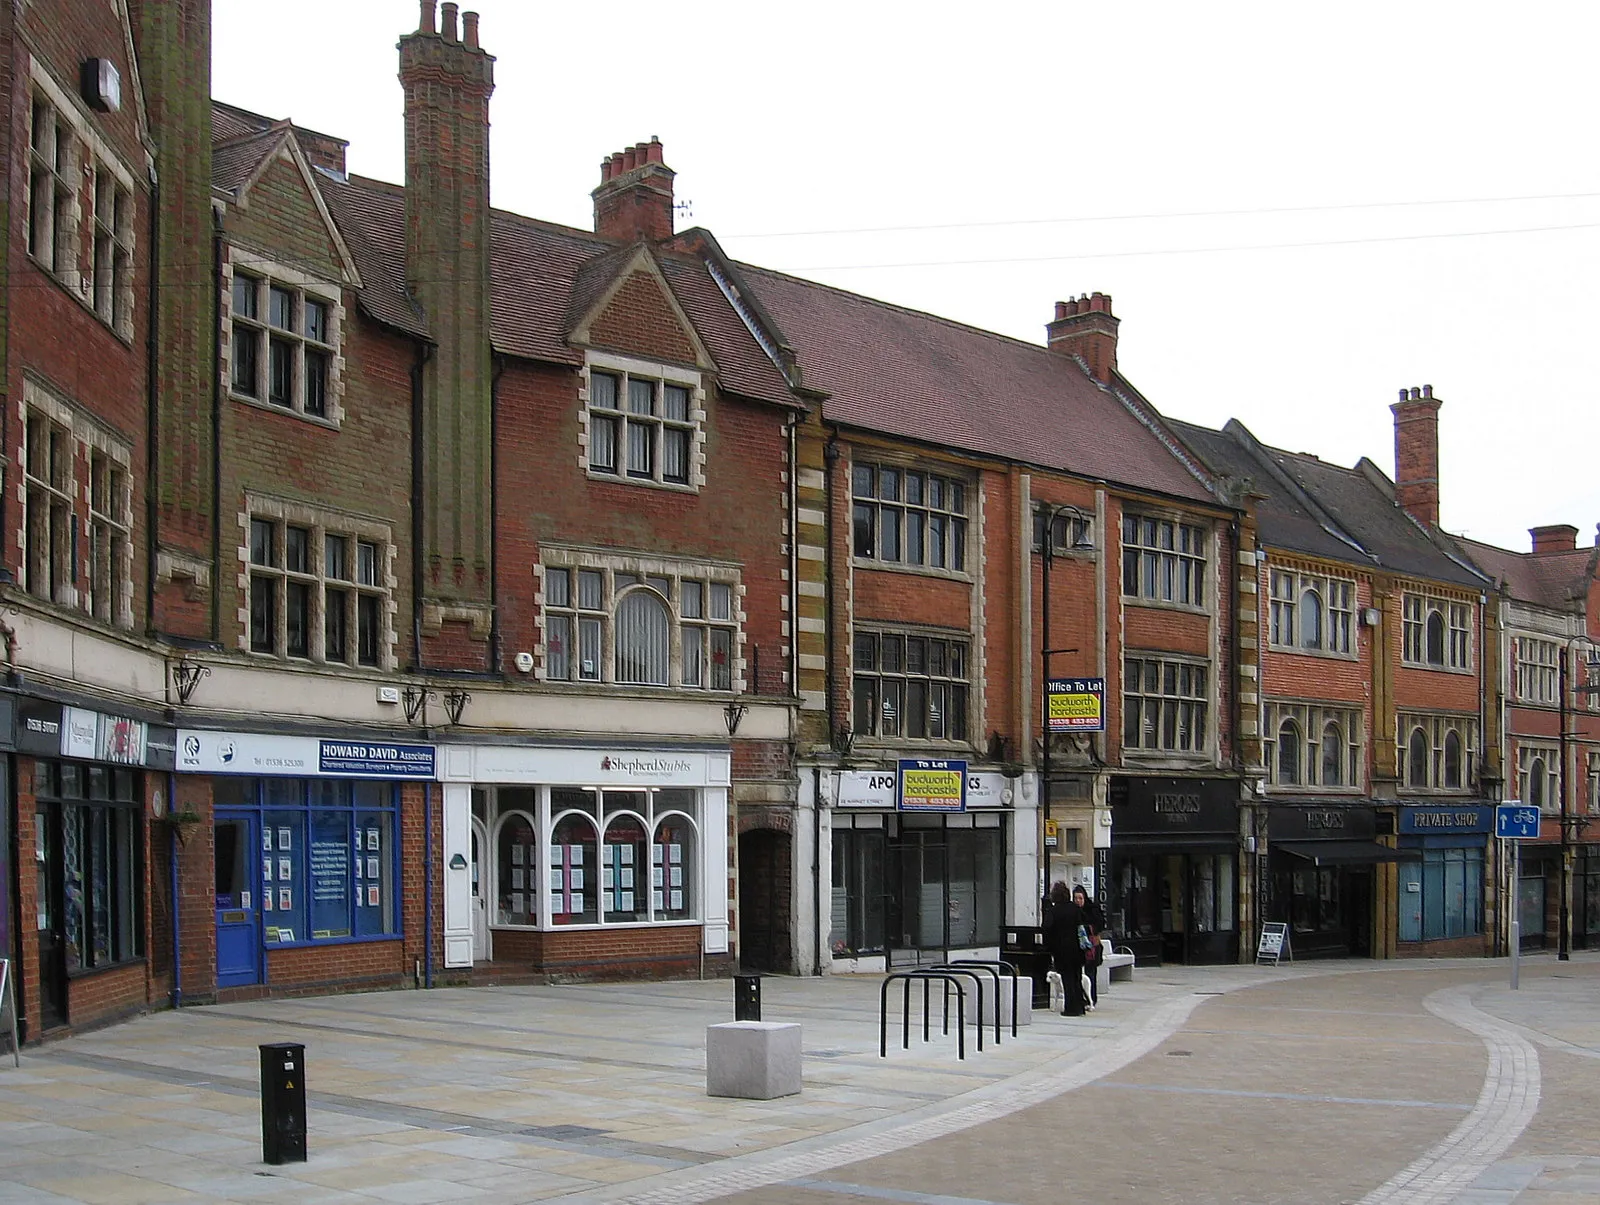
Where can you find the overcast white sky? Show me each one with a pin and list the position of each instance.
(1297, 209)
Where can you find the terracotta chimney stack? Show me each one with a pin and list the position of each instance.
(1557, 537)
(469, 30)
(428, 21)
(1416, 453)
(634, 200)
(1087, 327)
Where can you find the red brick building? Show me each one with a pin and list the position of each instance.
(1548, 604)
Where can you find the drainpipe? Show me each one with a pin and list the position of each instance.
(152, 357)
(816, 859)
(177, 910)
(496, 660)
(830, 460)
(424, 354)
(427, 884)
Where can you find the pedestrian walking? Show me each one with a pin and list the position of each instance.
(1095, 923)
(1065, 936)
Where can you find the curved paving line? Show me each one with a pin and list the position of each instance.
(1507, 1103)
(810, 1157)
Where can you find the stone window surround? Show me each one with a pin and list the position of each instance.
(253, 264)
(88, 435)
(1206, 578)
(1312, 719)
(1318, 581)
(320, 519)
(574, 558)
(96, 152)
(669, 374)
(1446, 605)
(1528, 752)
(1437, 726)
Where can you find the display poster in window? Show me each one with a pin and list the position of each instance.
(330, 878)
(931, 784)
(1076, 704)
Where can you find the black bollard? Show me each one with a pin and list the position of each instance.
(283, 1103)
(747, 997)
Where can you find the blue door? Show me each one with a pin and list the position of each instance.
(238, 900)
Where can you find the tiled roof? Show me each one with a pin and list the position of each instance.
(1548, 579)
(1308, 505)
(233, 161)
(920, 377)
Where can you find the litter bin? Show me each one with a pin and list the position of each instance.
(1023, 947)
(283, 1102)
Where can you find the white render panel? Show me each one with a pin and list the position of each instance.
(716, 881)
(457, 815)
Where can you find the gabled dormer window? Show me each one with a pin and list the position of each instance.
(643, 423)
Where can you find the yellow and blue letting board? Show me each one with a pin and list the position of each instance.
(931, 784)
(1076, 704)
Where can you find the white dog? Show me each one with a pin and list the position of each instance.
(1056, 990)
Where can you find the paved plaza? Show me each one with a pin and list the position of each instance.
(1325, 1082)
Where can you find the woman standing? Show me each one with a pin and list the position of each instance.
(1094, 922)
(1065, 928)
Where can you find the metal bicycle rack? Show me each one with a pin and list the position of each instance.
(999, 967)
(981, 976)
(950, 978)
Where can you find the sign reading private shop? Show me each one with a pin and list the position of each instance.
(1457, 818)
(931, 784)
(1076, 704)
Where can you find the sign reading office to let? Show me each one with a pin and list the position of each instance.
(932, 784)
(1076, 704)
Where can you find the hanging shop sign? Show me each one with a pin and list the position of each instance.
(1076, 704)
(931, 784)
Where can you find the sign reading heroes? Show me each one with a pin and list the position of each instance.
(1076, 704)
(932, 784)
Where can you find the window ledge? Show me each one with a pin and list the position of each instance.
(314, 420)
(952, 575)
(648, 483)
(1295, 650)
(634, 690)
(1161, 604)
(1464, 672)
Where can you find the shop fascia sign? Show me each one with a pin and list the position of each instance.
(301, 756)
(88, 735)
(877, 789)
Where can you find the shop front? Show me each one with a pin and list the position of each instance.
(578, 863)
(308, 861)
(913, 880)
(1539, 888)
(1321, 866)
(1442, 883)
(1172, 894)
(1586, 898)
(81, 809)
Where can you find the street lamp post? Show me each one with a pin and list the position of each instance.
(1047, 514)
(1568, 820)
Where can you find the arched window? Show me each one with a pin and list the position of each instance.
(672, 869)
(1289, 752)
(1536, 784)
(1311, 620)
(621, 885)
(574, 872)
(1435, 638)
(1417, 759)
(1332, 756)
(516, 872)
(643, 636)
(1452, 760)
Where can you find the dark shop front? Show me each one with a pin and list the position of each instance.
(1321, 879)
(1173, 890)
(1441, 884)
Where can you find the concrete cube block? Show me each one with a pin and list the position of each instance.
(754, 1060)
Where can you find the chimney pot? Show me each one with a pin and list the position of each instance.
(1427, 391)
(630, 159)
(427, 23)
(449, 30)
(469, 22)
(1402, 395)
(1061, 310)
(640, 208)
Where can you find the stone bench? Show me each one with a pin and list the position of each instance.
(1118, 961)
(1024, 1000)
(753, 1060)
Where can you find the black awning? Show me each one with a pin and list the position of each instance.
(1346, 853)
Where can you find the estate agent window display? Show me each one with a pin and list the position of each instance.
(593, 857)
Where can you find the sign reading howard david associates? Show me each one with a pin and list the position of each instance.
(300, 756)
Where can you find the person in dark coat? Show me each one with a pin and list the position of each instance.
(1095, 922)
(1063, 922)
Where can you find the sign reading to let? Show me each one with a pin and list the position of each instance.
(931, 784)
(1076, 704)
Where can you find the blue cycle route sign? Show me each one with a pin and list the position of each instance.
(1516, 820)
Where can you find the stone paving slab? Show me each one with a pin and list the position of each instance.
(597, 1093)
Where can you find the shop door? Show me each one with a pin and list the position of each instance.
(51, 918)
(919, 898)
(1174, 914)
(480, 907)
(238, 839)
